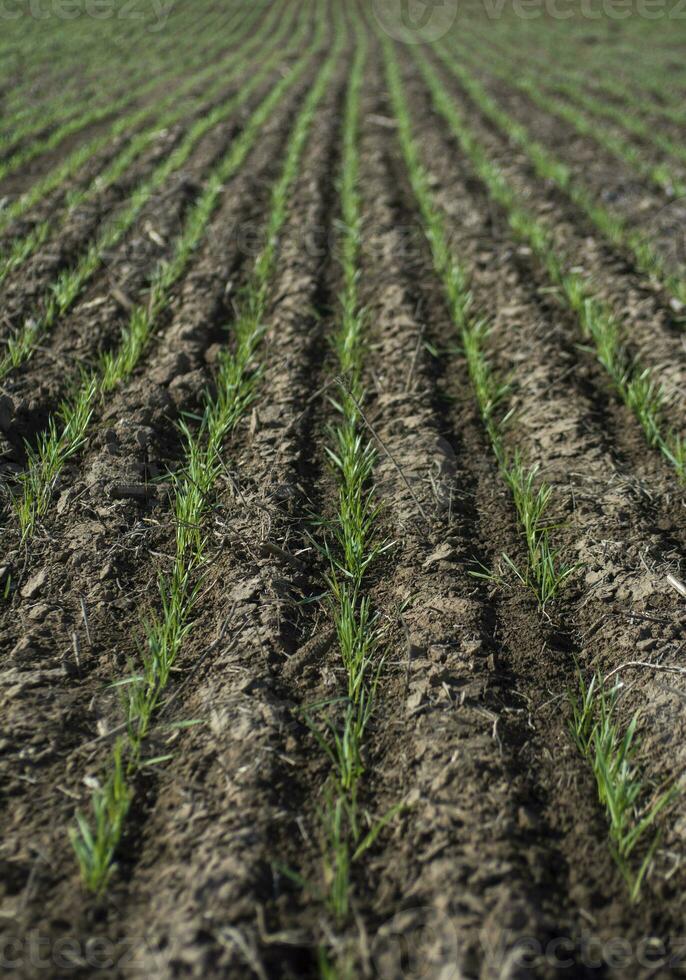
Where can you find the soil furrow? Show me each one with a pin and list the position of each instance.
(246, 784)
(68, 112)
(624, 519)
(645, 207)
(135, 436)
(644, 312)
(28, 171)
(185, 109)
(95, 323)
(448, 670)
(286, 530)
(260, 506)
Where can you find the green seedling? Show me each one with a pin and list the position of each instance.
(144, 690)
(632, 810)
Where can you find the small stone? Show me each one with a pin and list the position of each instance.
(473, 648)
(413, 797)
(24, 650)
(415, 700)
(444, 552)
(34, 584)
(63, 501)
(39, 611)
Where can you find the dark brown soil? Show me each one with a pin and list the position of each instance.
(498, 865)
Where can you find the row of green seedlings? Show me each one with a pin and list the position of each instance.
(626, 118)
(545, 573)
(631, 810)
(615, 144)
(564, 75)
(44, 60)
(96, 840)
(99, 61)
(126, 124)
(613, 753)
(70, 283)
(350, 545)
(37, 73)
(212, 79)
(650, 71)
(632, 381)
(672, 113)
(77, 94)
(117, 101)
(67, 430)
(122, 126)
(74, 90)
(611, 225)
(573, 86)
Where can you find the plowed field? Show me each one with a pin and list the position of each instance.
(342, 471)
